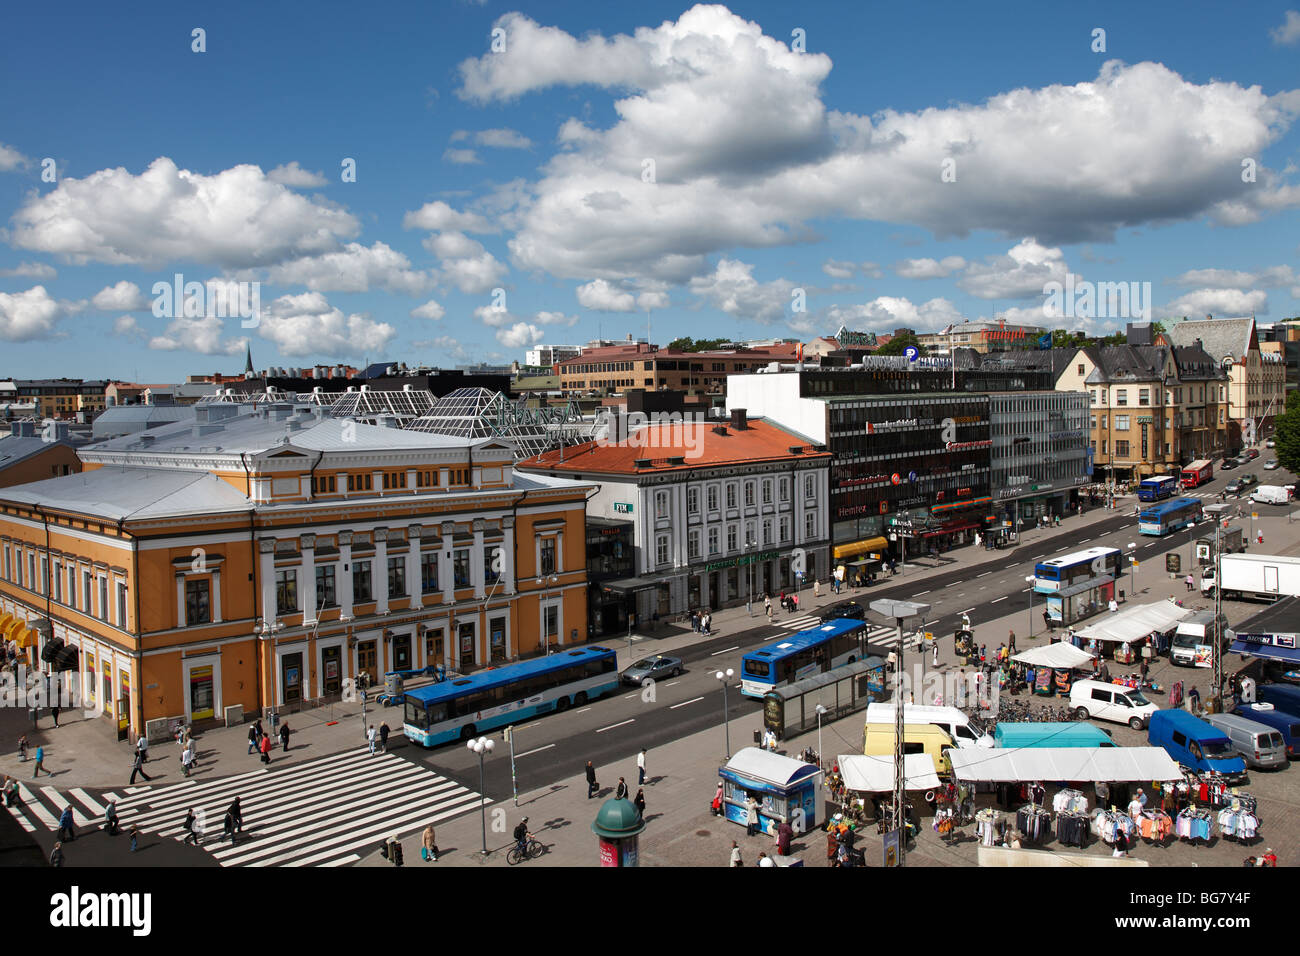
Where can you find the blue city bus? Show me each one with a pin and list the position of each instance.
(813, 651)
(1064, 572)
(461, 707)
(1157, 489)
(1169, 516)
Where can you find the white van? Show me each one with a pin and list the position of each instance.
(966, 734)
(1122, 705)
(1270, 495)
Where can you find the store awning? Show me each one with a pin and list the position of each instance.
(630, 584)
(953, 529)
(1136, 623)
(860, 547)
(968, 503)
(1065, 764)
(1268, 652)
(876, 774)
(1059, 655)
(23, 636)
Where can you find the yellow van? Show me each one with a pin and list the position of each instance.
(878, 741)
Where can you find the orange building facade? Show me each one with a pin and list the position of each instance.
(258, 559)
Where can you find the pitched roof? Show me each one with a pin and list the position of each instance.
(1128, 363)
(1219, 337)
(696, 443)
(119, 493)
(16, 448)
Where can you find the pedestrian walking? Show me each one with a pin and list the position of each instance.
(1261, 537)
(135, 837)
(817, 588)
(1011, 643)
(284, 736)
(40, 763)
(784, 836)
(620, 792)
(1143, 668)
(137, 767)
(640, 768)
(257, 725)
(767, 604)
(735, 855)
(66, 831)
(252, 740)
(708, 624)
(187, 759)
(56, 855)
(429, 845)
(934, 653)
(190, 835)
(695, 621)
(751, 816)
(11, 791)
(383, 737)
(1194, 701)
(265, 747)
(142, 747)
(370, 738)
(1188, 582)
(237, 815)
(592, 785)
(110, 818)
(1047, 620)
(639, 803)
(54, 712)
(228, 827)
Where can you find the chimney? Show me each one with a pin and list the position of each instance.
(739, 420)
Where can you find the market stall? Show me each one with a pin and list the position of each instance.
(1054, 666)
(786, 790)
(875, 774)
(1123, 633)
(1080, 764)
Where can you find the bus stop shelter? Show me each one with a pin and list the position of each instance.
(1065, 764)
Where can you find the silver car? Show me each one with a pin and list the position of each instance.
(655, 668)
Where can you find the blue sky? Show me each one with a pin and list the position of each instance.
(651, 162)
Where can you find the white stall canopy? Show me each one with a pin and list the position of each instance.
(1060, 655)
(875, 774)
(1107, 764)
(1135, 623)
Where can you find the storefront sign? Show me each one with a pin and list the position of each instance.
(856, 482)
(967, 445)
(908, 502)
(873, 427)
(622, 507)
(741, 561)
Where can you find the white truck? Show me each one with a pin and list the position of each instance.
(1270, 495)
(1194, 639)
(1262, 577)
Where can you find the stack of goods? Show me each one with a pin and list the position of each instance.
(1033, 822)
(1107, 824)
(1155, 825)
(1194, 824)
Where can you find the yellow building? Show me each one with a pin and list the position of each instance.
(259, 557)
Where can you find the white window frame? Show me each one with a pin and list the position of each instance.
(661, 504)
(810, 525)
(693, 543)
(692, 501)
(714, 541)
(767, 491)
(783, 493)
(711, 497)
(662, 551)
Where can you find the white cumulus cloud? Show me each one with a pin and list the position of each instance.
(430, 310)
(1020, 274)
(202, 334)
(1289, 32)
(121, 297)
(25, 316)
(306, 325)
(291, 174)
(354, 268)
(31, 270)
(521, 335)
(733, 289)
(929, 268)
(1225, 303)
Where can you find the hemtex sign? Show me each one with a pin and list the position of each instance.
(76, 910)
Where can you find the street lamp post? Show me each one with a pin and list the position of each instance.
(820, 711)
(1132, 568)
(1031, 581)
(482, 746)
(724, 677)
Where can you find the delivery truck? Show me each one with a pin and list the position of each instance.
(1194, 640)
(1270, 495)
(1260, 577)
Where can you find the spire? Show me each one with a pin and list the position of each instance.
(248, 361)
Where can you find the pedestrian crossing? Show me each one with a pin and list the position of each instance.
(882, 635)
(325, 812)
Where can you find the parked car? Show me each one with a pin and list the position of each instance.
(850, 609)
(653, 667)
(1270, 444)
(1252, 454)
(1270, 465)
(1228, 464)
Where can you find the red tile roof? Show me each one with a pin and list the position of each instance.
(696, 442)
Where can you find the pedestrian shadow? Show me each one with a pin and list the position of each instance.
(651, 816)
(651, 781)
(557, 824)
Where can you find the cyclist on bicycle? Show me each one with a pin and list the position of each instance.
(522, 836)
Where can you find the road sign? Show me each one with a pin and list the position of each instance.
(911, 476)
(910, 353)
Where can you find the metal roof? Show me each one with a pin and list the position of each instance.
(119, 493)
(16, 448)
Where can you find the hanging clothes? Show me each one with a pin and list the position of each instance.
(1193, 824)
(989, 826)
(1033, 822)
(1072, 829)
(1155, 825)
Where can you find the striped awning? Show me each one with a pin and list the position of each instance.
(860, 547)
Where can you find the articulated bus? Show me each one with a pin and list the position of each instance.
(1064, 572)
(1169, 516)
(462, 707)
(1158, 488)
(1197, 473)
(818, 649)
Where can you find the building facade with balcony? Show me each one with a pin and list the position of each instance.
(717, 509)
(261, 558)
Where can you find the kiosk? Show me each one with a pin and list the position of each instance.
(786, 789)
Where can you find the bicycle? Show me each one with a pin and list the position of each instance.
(531, 851)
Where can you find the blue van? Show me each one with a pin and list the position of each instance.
(1044, 734)
(1288, 725)
(1284, 697)
(1195, 743)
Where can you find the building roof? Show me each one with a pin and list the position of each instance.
(1219, 337)
(641, 351)
(696, 444)
(16, 448)
(1127, 363)
(120, 493)
(128, 419)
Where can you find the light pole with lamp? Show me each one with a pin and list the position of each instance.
(266, 630)
(482, 746)
(724, 677)
(1132, 568)
(820, 711)
(1031, 581)
(900, 611)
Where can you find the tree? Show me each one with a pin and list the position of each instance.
(1287, 434)
(896, 345)
(688, 344)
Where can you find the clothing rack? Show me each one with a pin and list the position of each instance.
(1070, 801)
(1108, 824)
(1033, 822)
(1072, 828)
(989, 826)
(1193, 824)
(1238, 824)
(1155, 825)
